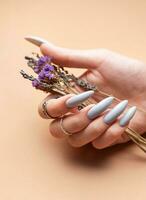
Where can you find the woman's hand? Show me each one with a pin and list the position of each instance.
(123, 77)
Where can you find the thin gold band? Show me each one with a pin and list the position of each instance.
(62, 127)
(45, 112)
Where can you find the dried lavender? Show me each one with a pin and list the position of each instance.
(53, 78)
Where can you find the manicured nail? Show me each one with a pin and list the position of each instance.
(115, 112)
(128, 116)
(99, 107)
(79, 98)
(35, 40)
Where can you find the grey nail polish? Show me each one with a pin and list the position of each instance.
(99, 107)
(127, 116)
(115, 112)
(35, 40)
(79, 98)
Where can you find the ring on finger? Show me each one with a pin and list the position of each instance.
(62, 127)
(45, 111)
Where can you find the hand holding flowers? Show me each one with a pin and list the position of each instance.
(107, 73)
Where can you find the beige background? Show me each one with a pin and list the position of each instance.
(34, 165)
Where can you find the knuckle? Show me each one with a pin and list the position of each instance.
(75, 125)
(53, 130)
(112, 133)
(95, 127)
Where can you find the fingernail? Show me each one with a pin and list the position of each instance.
(127, 116)
(35, 40)
(99, 107)
(115, 112)
(75, 100)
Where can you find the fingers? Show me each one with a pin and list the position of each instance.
(91, 124)
(103, 134)
(74, 123)
(98, 126)
(64, 104)
(111, 135)
(54, 106)
(92, 131)
(115, 133)
(69, 57)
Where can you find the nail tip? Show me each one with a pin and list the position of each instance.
(125, 101)
(29, 37)
(111, 99)
(134, 108)
(123, 104)
(35, 40)
(128, 116)
(87, 92)
(90, 91)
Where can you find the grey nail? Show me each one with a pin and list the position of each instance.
(127, 116)
(115, 112)
(99, 107)
(35, 40)
(79, 98)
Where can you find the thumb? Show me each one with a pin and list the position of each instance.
(69, 57)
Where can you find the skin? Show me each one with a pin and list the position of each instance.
(115, 74)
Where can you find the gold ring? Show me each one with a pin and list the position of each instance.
(62, 127)
(45, 112)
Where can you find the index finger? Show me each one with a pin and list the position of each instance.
(60, 106)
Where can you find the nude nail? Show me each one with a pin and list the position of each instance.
(35, 40)
(127, 116)
(99, 107)
(79, 98)
(115, 112)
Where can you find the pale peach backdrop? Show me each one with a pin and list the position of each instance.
(34, 165)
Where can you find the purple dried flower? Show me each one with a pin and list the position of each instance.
(35, 83)
(48, 67)
(41, 75)
(51, 76)
(42, 60)
(47, 74)
(36, 69)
